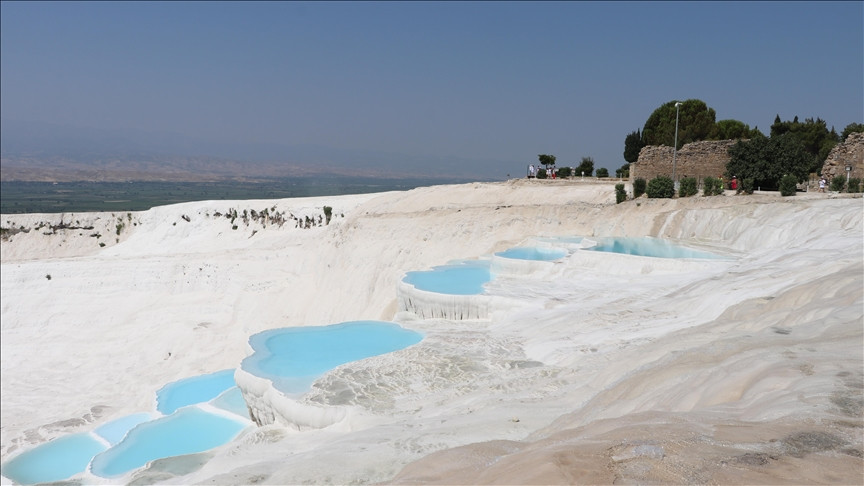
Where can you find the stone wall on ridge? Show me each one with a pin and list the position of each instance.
(849, 152)
(696, 159)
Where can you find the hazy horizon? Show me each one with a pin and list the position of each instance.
(471, 88)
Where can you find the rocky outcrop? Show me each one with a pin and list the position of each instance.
(696, 159)
(847, 153)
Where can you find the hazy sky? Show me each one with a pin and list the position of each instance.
(502, 81)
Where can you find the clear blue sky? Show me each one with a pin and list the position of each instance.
(500, 81)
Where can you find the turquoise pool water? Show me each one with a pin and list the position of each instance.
(186, 431)
(115, 430)
(232, 401)
(294, 357)
(465, 278)
(192, 390)
(54, 461)
(650, 247)
(533, 253)
(129, 442)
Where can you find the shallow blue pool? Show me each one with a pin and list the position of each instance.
(115, 430)
(129, 442)
(232, 401)
(294, 357)
(650, 247)
(196, 389)
(465, 278)
(186, 431)
(54, 461)
(533, 253)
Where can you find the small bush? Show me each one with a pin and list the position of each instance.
(620, 194)
(788, 185)
(541, 173)
(746, 186)
(565, 172)
(602, 172)
(328, 213)
(660, 187)
(837, 184)
(638, 187)
(712, 186)
(688, 187)
(854, 185)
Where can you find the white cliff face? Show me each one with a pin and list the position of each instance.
(433, 305)
(267, 406)
(599, 344)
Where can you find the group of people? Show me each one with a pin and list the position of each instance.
(550, 172)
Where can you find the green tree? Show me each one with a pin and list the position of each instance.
(632, 145)
(852, 128)
(731, 129)
(712, 186)
(639, 187)
(813, 135)
(623, 172)
(695, 123)
(688, 187)
(660, 187)
(766, 160)
(586, 167)
(546, 160)
(602, 172)
(620, 193)
(788, 185)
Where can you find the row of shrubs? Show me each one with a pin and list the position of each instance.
(838, 184)
(568, 172)
(664, 187)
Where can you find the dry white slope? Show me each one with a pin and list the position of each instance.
(771, 337)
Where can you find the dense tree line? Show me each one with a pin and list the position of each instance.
(814, 136)
(793, 148)
(696, 122)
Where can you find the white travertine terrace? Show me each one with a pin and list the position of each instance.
(432, 305)
(267, 405)
(746, 371)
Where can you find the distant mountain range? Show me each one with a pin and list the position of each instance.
(37, 151)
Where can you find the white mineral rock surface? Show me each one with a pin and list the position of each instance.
(598, 368)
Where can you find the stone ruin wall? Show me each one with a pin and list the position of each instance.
(696, 159)
(709, 158)
(850, 152)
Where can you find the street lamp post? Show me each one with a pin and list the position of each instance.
(675, 147)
